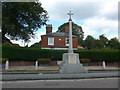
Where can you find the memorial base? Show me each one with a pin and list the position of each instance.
(71, 64)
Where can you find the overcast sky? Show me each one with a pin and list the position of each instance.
(96, 17)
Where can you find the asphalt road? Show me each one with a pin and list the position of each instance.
(68, 83)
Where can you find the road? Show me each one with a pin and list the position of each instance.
(62, 83)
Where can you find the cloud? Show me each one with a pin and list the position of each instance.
(102, 25)
(57, 9)
(36, 39)
(98, 26)
(109, 10)
(81, 10)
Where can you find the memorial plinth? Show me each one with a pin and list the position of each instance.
(71, 63)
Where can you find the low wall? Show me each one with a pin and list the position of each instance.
(28, 63)
(55, 63)
(100, 64)
(21, 63)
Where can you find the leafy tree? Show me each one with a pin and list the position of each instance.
(21, 19)
(36, 45)
(102, 41)
(90, 42)
(80, 41)
(76, 29)
(114, 43)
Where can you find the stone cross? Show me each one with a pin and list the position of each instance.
(70, 50)
(70, 14)
(71, 63)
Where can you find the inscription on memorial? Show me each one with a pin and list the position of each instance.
(72, 59)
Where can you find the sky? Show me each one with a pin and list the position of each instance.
(96, 17)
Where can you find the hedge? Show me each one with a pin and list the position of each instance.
(22, 53)
(100, 55)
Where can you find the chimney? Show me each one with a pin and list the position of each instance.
(48, 28)
(67, 28)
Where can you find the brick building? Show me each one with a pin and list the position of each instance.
(57, 40)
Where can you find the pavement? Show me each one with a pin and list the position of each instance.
(53, 73)
(41, 76)
(52, 69)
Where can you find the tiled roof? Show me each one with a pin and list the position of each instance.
(58, 34)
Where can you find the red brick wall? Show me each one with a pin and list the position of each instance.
(113, 64)
(75, 42)
(21, 63)
(53, 63)
(95, 64)
(28, 63)
(58, 42)
(107, 64)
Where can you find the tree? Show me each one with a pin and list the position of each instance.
(80, 41)
(114, 43)
(76, 29)
(36, 45)
(103, 41)
(21, 19)
(90, 42)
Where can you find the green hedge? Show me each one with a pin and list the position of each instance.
(22, 53)
(100, 55)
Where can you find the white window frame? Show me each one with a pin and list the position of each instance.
(67, 42)
(50, 41)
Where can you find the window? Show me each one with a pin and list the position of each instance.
(67, 41)
(50, 41)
